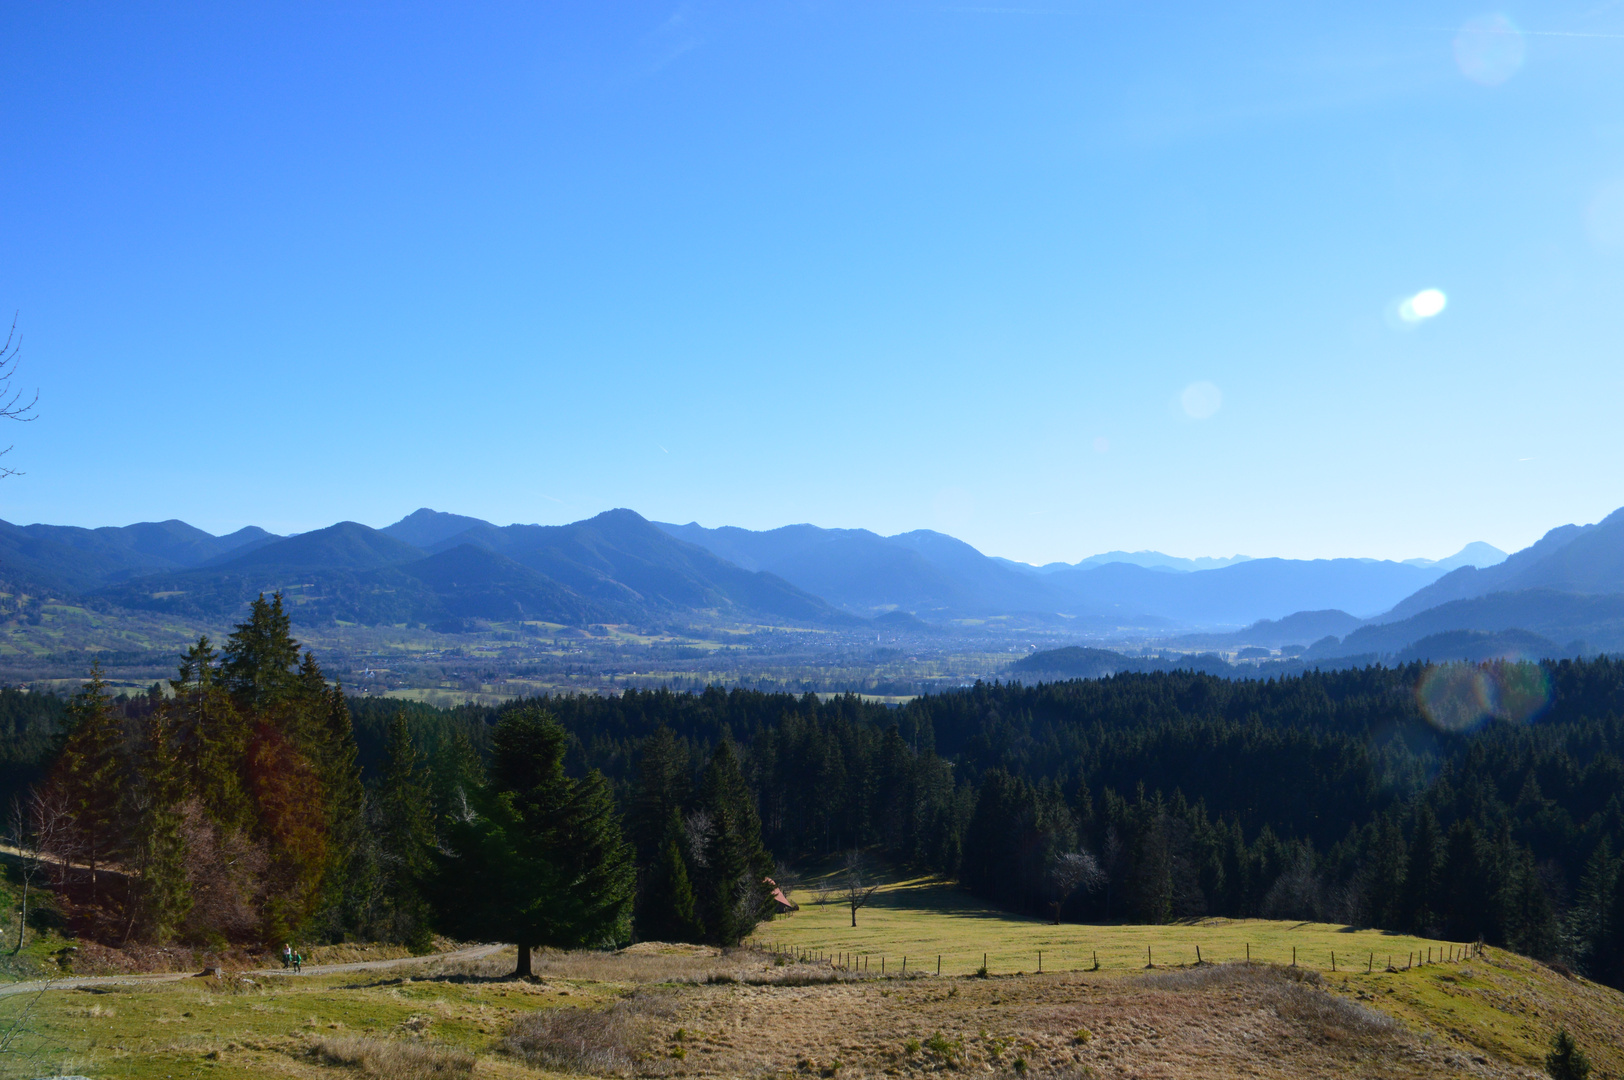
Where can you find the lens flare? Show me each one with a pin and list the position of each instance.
(1201, 400)
(1524, 690)
(1455, 697)
(1490, 49)
(1461, 697)
(1423, 305)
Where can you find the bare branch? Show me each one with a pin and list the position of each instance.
(855, 885)
(12, 406)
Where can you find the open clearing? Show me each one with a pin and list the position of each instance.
(676, 1011)
(684, 1011)
(925, 918)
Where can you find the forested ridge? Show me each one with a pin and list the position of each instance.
(1461, 801)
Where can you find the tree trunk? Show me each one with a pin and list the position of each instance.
(523, 970)
(22, 918)
(854, 914)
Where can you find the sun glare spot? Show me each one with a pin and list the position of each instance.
(1201, 400)
(1490, 49)
(1423, 305)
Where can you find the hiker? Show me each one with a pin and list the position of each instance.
(298, 958)
(287, 955)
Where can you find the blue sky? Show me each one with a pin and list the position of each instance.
(1054, 277)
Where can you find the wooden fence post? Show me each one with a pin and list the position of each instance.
(1294, 956)
(1198, 955)
(1040, 961)
(1372, 965)
(1333, 961)
(1096, 959)
(938, 963)
(1248, 952)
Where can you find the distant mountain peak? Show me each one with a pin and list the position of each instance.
(424, 528)
(1476, 554)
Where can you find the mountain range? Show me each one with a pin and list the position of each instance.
(454, 572)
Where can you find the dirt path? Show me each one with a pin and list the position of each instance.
(473, 952)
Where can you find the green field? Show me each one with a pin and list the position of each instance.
(924, 918)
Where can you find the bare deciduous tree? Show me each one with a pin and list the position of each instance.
(25, 837)
(12, 406)
(856, 886)
(696, 829)
(1072, 871)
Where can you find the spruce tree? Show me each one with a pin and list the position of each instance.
(210, 738)
(662, 787)
(457, 774)
(666, 908)
(733, 895)
(257, 666)
(1384, 898)
(1566, 1061)
(406, 840)
(90, 773)
(1594, 930)
(1421, 875)
(336, 757)
(543, 862)
(158, 848)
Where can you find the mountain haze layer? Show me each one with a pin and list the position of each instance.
(457, 572)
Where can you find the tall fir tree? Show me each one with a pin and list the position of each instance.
(210, 738)
(158, 849)
(543, 863)
(457, 773)
(1423, 865)
(666, 907)
(90, 775)
(732, 890)
(406, 836)
(259, 660)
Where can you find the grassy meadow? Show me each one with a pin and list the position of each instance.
(924, 918)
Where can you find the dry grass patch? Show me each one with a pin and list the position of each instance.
(603, 1042)
(1295, 994)
(394, 1059)
(1219, 1021)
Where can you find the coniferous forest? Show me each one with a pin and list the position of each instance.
(251, 801)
